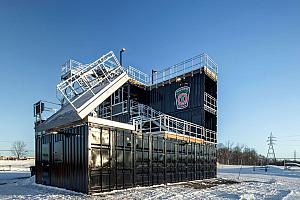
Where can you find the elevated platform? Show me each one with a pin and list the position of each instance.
(68, 115)
(186, 67)
(85, 86)
(84, 90)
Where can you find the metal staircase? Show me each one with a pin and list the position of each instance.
(140, 111)
(149, 120)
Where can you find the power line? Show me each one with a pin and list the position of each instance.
(298, 135)
(291, 140)
(289, 145)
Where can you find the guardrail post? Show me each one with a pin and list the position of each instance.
(168, 123)
(160, 123)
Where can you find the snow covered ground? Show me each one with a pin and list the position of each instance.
(15, 165)
(276, 183)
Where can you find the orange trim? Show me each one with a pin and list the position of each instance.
(209, 73)
(184, 138)
(135, 82)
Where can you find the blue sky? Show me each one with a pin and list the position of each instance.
(256, 44)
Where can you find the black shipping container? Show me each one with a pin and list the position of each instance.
(92, 159)
(162, 98)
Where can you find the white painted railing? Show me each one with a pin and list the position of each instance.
(210, 103)
(101, 72)
(186, 66)
(138, 75)
(70, 68)
(145, 117)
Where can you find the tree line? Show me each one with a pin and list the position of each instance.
(231, 154)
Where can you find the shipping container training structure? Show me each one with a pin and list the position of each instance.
(117, 127)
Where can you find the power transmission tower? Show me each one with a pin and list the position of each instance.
(271, 152)
(295, 155)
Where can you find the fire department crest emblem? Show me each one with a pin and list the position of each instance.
(182, 97)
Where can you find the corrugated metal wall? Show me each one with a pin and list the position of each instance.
(163, 99)
(61, 159)
(111, 163)
(97, 159)
(158, 161)
(127, 159)
(210, 86)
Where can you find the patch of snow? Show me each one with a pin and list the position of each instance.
(276, 183)
(16, 165)
(247, 197)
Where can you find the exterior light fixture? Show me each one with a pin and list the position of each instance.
(121, 52)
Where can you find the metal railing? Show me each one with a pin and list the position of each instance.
(210, 103)
(211, 136)
(138, 75)
(70, 68)
(101, 72)
(202, 60)
(44, 109)
(177, 126)
(173, 124)
(146, 117)
(141, 111)
(78, 78)
(107, 111)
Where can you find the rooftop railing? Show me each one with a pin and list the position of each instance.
(186, 66)
(138, 75)
(71, 67)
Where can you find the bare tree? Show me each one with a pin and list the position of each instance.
(18, 149)
(229, 151)
(237, 154)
